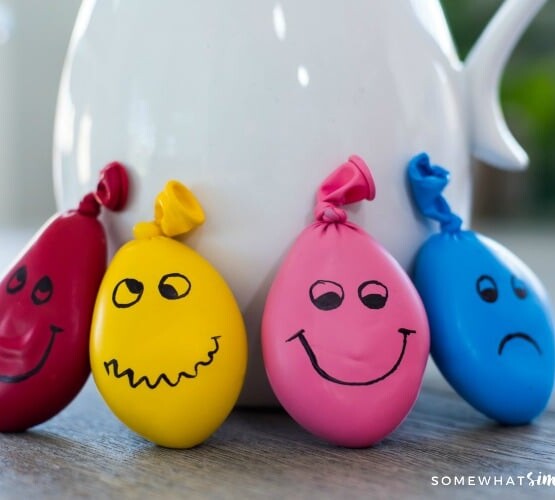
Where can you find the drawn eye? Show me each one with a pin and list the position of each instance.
(17, 280)
(373, 294)
(174, 286)
(127, 293)
(42, 291)
(487, 288)
(519, 287)
(326, 295)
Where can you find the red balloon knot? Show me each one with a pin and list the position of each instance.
(89, 206)
(113, 187)
(111, 191)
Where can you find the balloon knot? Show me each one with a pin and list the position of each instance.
(176, 211)
(326, 212)
(111, 191)
(349, 183)
(89, 206)
(427, 183)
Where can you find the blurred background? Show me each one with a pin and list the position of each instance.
(33, 40)
(528, 101)
(34, 35)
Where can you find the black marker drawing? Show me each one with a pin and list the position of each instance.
(314, 360)
(326, 295)
(487, 288)
(17, 280)
(130, 373)
(373, 294)
(517, 335)
(11, 379)
(127, 292)
(174, 286)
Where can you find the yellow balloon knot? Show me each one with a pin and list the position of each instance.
(176, 211)
(146, 230)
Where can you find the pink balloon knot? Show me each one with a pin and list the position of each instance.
(326, 212)
(349, 183)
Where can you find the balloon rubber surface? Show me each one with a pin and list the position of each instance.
(46, 303)
(168, 344)
(344, 336)
(491, 330)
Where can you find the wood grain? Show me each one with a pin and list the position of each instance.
(86, 453)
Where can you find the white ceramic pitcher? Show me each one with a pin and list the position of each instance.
(251, 103)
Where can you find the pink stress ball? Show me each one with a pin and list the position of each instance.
(345, 337)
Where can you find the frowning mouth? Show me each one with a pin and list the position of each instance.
(517, 335)
(314, 360)
(130, 373)
(13, 379)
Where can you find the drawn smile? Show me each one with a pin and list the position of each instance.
(314, 360)
(130, 373)
(12, 379)
(517, 335)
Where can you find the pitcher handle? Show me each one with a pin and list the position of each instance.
(491, 139)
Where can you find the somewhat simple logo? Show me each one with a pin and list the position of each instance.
(531, 479)
(540, 479)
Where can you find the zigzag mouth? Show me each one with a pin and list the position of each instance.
(144, 380)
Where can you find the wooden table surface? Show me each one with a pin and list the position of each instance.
(85, 452)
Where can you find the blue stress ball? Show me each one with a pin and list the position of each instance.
(490, 322)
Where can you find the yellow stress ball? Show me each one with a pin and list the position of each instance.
(168, 343)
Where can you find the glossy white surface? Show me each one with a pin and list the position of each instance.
(251, 103)
(33, 42)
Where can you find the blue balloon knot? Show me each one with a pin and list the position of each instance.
(427, 183)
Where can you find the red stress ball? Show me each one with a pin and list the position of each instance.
(46, 303)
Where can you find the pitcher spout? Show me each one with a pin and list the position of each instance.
(491, 139)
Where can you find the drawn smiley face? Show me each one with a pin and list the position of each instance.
(168, 345)
(172, 286)
(326, 295)
(46, 303)
(26, 339)
(344, 336)
(492, 335)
